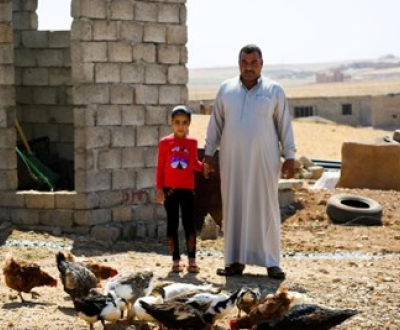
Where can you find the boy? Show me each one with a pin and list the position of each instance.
(177, 161)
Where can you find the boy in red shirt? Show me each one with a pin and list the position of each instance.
(177, 161)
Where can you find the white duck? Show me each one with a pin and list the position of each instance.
(179, 289)
(140, 313)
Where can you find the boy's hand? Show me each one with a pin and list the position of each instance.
(160, 196)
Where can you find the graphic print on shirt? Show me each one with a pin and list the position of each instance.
(179, 157)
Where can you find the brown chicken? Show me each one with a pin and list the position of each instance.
(272, 308)
(100, 270)
(23, 276)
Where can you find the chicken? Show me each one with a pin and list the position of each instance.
(76, 279)
(97, 307)
(247, 299)
(272, 308)
(176, 315)
(100, 270)
(174, 290)
(308, 317)
(130, 286)
(23, 276)
(140, 313)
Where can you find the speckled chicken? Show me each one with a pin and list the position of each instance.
(272, 308)
(247, 299)
(23, 276)
(130, 286)
(308, 317)
(99, 269)
(98, 307)
(76, 279)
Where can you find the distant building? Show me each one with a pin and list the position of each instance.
(332, 75)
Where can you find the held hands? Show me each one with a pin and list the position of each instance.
(288, 169)
(208, 166)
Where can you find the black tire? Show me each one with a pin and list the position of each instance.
(346, 208)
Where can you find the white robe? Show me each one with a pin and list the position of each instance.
(249, 126)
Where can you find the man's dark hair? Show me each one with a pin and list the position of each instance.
(250, 48)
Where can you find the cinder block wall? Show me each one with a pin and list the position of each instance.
(128, 68)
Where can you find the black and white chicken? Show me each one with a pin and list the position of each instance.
(308, 317)
(130, 286)
(247, 299)
(97, 307)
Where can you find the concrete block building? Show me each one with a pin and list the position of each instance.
(101, 93)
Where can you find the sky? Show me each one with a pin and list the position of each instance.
(288, 31)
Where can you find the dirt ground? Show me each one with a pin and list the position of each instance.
(336, 266)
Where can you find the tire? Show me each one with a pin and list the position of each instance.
(347, 209)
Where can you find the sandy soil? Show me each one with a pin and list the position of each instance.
(336, 266)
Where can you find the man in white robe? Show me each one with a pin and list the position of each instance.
(251, 125)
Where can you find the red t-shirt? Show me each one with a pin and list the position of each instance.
(177, 161)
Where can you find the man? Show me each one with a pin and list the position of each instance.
(251, 124)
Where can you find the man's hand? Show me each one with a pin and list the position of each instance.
(208, 166)
(288, 170)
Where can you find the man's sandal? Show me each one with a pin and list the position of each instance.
(177, 268)
(276, 273)
(235, 269)
(193, 269)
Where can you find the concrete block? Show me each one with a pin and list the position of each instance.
(25, 217)
(92, 181)
(35, 39)
(123, 136)
(146, 94)
(144, 53)
(146, 179)
(40, 200)
(50, 58)
(106, 233)
(123, 179)
(81, 30)
(61, 115)
(143, 212)
(108, 115)
(147, 136)
(156, 115)
(169, 13)
(122, 10)
(6, 33)
(91, 94)
(156, 74)
(97, 137)
(122, 213)
(8, 179)
(131, 31)
(178, 75)
(171, 95)
(25, 58)
(6, 53)
(120, 52)
(12, 199)
(168, 54)
(121, 94)
(35, 76)
(24, 20)
(51, 131)
(107, 73)
(44, 95)
(105, 30)
(7, 97)
(110, 159)
(94, 51)
(8, 137)
(34, 114)
(151, 156)
(109, 199)
(93, 9)
(59, 39)
(6, 11)
(92, 217)
(155, 33)
(59, 76)
(25, 5)
(81, 73)
(57, 218)
(132, 115)
(132, 157)
(6, 74)
(176, 35)
(65, 199)
(146, 12)
(132, 73)
(8, 159)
